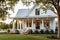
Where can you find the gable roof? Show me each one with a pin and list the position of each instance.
(23, 13)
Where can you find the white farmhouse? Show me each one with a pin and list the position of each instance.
(34, 19)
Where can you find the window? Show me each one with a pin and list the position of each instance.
(37, 12)
(46, 24)
(29, 23)
(37, 24)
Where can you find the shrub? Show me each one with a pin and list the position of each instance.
(52, 37)
(30, 32)
(42, 31)
(8, 31)
(36, 32)
(56, 30)
(52, 32)
(47, 31)
(16, 31)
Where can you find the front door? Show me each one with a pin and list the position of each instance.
(37, 24)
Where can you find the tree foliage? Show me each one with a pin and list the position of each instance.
(3, 26)
(44, 4)
(6, 5)
(42, 1)
(12, 3)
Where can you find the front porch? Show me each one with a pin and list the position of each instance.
(34, 24)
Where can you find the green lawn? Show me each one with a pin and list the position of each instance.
(24, 37)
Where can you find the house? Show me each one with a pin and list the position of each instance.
(34, 19)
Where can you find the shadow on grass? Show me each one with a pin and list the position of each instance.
(53, 37)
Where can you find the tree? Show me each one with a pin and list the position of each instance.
(55, 3)
(11, 3)
(4, 7)
(4, 26)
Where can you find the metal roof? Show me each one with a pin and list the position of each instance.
(25, 13)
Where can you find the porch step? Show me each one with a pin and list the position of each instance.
(27, 31)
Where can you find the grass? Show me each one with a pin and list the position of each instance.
(24, 37)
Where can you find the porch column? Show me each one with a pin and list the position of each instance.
(32, 24)
(28, 23)
(54, 25)
(51, 24)
(17, 24)
(42, 24)
(20, 26)
(13, 24)
(23, 24)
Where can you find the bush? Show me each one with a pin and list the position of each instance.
(30, 32)
(36, 32)
(52, 37)
(16, 31)
(47, 31)
(52, 32)
(56, 30)
(8, 31)
(42, 31)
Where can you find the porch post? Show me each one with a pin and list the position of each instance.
(17, 24)
(42, 24)
(20, 26)
(23, 24)
(32, 24)
(51, 24)
(28, 23)
(13, 24)
(54, 24)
